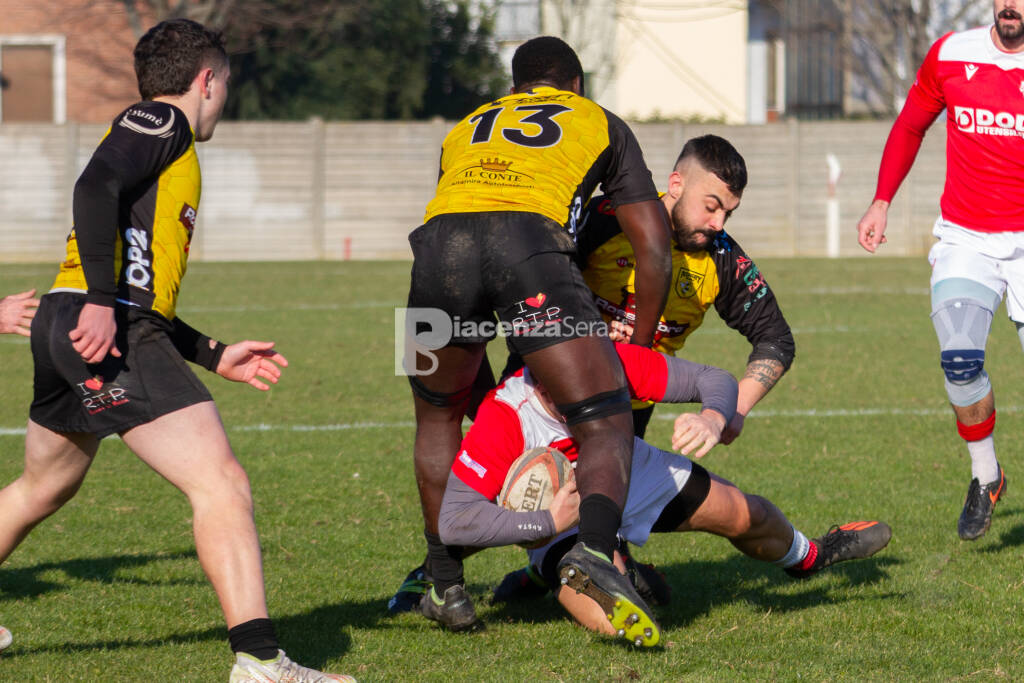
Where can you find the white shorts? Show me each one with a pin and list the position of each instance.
(994, 260)
(656, 478)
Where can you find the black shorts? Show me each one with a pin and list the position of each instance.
(150, 378)
(517, 265)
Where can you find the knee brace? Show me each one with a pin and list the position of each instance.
(436, 398)
(962, 326)
(605, 404)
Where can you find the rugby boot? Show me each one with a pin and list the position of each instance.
(593, 574)
(522, 584)
(853, 541)
(650, 583)
(410, 593)
(981, 501)
(248, 669)
(455, 611)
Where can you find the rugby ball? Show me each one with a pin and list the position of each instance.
(534, 479)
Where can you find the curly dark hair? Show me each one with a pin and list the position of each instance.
(546, 58)
(171, 55)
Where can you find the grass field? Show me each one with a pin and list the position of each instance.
(110, 589)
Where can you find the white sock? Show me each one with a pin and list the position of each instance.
(984, 466)
(797, 551)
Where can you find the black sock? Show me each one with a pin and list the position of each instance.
(444, 563)
(600, 519)
(256, 638)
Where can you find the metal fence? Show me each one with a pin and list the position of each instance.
(354, 190)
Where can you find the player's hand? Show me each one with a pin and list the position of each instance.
(93, 338)
(871, 228)
(565, 506)
(17, 311)
(619, 331)
(697, 432)
(251, 361)
(733, 429)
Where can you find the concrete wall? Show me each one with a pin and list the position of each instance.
(295, 191)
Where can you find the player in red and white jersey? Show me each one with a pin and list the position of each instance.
(667, 492)
(977, 78)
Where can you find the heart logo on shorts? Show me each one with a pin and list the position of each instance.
(536, 301)
(94, 383)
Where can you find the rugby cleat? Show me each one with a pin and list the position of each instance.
(650, 583)
(981, 501)
(410, 593)
(522, 584)
(280, 669)
(853, 541)
(455, 611)
(591, 573)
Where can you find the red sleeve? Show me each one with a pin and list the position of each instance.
(646, 371)
(489, 448)
(924, 103)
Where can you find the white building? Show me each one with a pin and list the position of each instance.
(719, 60)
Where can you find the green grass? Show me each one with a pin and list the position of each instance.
(110, 589)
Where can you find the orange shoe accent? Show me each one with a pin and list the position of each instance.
(994, 495)
(857, 526)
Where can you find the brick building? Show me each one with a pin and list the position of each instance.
(65, 61)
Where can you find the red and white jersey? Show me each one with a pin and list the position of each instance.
(512, 419)
(982, 90)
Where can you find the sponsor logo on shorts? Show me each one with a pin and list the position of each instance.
(528, 320)
(986, 122)
(98, 396)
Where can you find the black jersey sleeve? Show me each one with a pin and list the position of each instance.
(598, 224)
(628, 179)
(747, 304)
(143, 140)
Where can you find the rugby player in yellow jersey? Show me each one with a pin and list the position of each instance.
(709, 268)
(498, 238)
(109, 350)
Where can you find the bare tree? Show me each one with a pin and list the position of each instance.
(880, 43)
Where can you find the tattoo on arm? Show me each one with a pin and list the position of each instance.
(765, 371)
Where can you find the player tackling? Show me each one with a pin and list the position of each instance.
(977, 78)
(498, 238)
(667, 492)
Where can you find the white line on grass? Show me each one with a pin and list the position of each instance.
(663, 415)
(20, 431)
(854, 412)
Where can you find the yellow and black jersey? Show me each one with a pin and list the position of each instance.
(722, 276)
(134, 212)
(542, 151)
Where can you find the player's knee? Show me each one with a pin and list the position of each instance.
(962, 325)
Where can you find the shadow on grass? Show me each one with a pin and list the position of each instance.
(311, 637)
(25, 582)
(699, 587)
(1010, 538)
